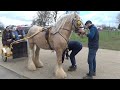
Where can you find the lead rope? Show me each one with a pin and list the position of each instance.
(25, 38)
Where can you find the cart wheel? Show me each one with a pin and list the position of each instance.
(4, 58)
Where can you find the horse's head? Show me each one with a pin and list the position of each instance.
(69, 22)
(77, 24)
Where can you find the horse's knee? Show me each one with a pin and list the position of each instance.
(59, 62)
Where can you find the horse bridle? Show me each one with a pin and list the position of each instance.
(73, 24)
(78, 25)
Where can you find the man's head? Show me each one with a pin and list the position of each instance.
(88, 24)
(7, 28)
(14, 29)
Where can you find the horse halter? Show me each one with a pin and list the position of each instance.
(79, 23)
(77, 26)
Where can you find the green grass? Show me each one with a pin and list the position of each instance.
(108, 40)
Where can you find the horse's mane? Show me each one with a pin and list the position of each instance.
(61, 21)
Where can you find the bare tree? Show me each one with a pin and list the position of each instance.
(119, 26)
(1, 26)
(45, 18)
(55, 15)
(71, 12)
(34, 22)
(118, 18)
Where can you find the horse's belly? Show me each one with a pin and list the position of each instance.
(40, 41)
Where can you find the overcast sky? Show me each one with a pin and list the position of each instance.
(26, 17)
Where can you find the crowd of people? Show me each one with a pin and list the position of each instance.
(12, 34)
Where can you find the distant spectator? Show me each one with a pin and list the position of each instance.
(21, 32)
(15, 34)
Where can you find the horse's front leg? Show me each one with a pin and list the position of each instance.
(59, 72)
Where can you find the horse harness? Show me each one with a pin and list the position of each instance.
(47, 35)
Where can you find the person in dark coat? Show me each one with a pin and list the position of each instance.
(7, 37)
(93, 45)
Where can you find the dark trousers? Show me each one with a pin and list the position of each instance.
(7, 43)
(92, 60)
(72, 56)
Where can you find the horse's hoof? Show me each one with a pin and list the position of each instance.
(39, 65)
(31, 67)
(60, 74)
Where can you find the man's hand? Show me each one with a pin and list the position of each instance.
(82, 33)
(9, 40)
(20, 35)
(78, 34)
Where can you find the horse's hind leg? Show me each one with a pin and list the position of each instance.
(37, 61)
(59, 72)
(31, 65)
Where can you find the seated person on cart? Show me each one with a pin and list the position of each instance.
(21, 33)
(7, 37)
(15, 34)
(18, 49)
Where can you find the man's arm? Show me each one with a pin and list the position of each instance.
(91, 34)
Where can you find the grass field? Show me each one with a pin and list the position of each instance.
(108, 40)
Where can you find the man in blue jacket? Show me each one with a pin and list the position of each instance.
(93, 45)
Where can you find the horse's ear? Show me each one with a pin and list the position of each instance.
(75, 14)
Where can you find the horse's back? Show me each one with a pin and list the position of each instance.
(34, 29)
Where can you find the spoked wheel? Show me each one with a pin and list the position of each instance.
(4, 56)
